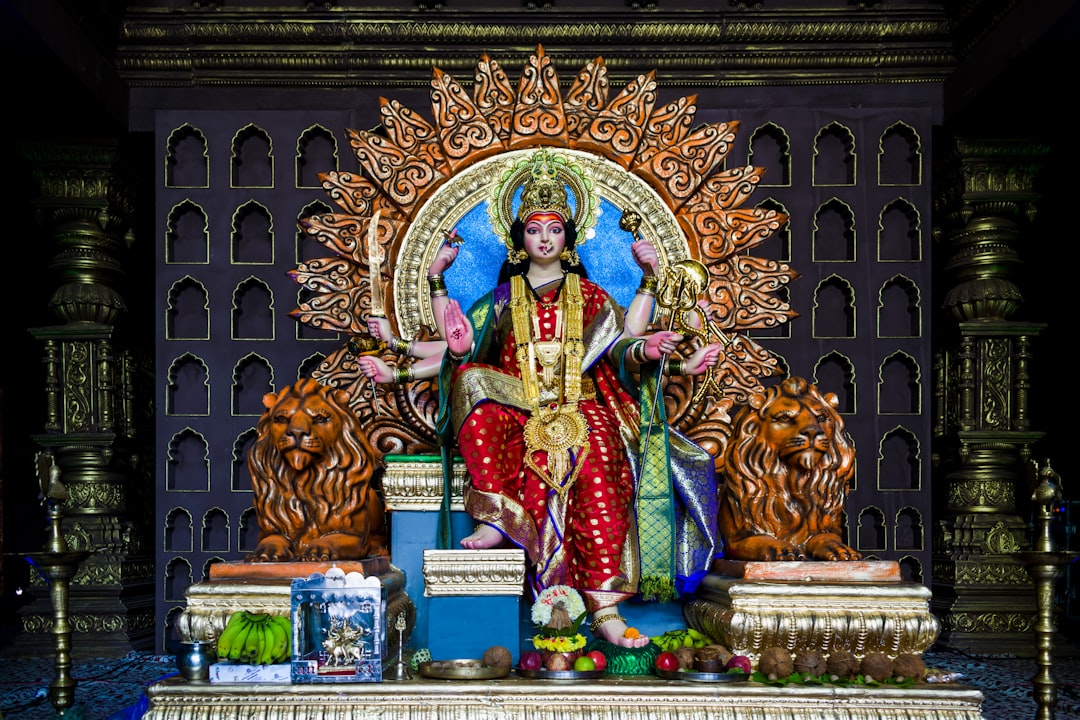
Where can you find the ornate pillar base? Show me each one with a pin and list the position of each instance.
(107, 621)
(748, 615)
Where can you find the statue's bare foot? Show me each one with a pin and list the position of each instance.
(614, 631)
(483, 537)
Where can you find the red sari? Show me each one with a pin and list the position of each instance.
(576, 530)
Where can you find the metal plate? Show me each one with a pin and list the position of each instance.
(460, 670)
(694, 676)
(559, 674)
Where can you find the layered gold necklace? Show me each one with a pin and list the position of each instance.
(555, 425)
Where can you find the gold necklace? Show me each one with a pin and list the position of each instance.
(558, 427)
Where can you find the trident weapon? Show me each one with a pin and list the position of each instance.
(678, 291)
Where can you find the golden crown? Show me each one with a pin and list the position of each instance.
(543, 191)
(547, 180)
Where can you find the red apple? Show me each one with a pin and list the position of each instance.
(740, 662)
(599, 659)
(530, 660)
(667, 661)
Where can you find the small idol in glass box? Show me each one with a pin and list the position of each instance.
(339, 629)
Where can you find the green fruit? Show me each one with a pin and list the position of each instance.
(584, 664)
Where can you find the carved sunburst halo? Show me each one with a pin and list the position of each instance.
(424, 178)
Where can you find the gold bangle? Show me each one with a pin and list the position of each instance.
(456, 358)
(648, 284)
(675, 367)
(436, 285)
(637, 353)
(399, 345)
(403, 374)
(595, 624)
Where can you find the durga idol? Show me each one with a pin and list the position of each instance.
(548, 387)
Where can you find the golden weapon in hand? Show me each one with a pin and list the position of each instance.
(678, 293)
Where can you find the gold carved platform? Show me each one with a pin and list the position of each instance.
(513, 698)
(265, 587)
(856, 606)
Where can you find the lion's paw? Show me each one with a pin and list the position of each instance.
(272, 548)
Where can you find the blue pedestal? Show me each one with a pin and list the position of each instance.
(411, 533)
(464, 627)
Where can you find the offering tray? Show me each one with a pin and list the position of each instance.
(696, 676)
(559, 674)
(460, 670)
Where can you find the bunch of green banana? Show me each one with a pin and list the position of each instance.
(256, 638)
(687, 637)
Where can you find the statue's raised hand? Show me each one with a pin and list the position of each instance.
(444, 258)
(702, 359)
(645, 256)
(375, 369)
(459, 331)
(379, 327)
(661, 343)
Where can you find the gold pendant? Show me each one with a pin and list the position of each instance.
(556, 433)
(548, 354)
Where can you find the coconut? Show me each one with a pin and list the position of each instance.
(776, 663)
(558, 661)
(909, 665)
(876, 666)
(810, 662)
(842, 664)
(498, 657)
(686, 657)
(560, 618)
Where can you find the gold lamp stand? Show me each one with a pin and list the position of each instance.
(58, 564)
(1044, 562)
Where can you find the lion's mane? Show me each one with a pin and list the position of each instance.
(765, 495)
(335, 494)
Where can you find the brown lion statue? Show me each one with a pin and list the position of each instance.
(311, 471)
(787, 469)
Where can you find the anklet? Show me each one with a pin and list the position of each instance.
(595, 624)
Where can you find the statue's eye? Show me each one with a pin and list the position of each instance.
(823, 419)
(320, 419)
(280, 419)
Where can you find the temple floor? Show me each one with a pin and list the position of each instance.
(112, 689)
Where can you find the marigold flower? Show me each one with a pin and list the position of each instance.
(631, 633)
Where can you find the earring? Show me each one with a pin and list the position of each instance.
(570, 256)
(516, 256)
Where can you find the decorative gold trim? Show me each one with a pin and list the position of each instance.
(361, 48)
(418, 486)
(473, 572)
(750, 616)
(631, 698)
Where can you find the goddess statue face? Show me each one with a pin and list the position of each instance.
(545, 237)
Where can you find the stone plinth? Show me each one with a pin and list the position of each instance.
(777, 606)
(811, 571)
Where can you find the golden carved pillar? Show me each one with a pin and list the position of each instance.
(85, 207)
(983, 596)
